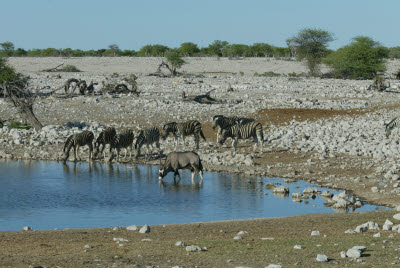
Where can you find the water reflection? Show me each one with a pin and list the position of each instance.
(48, 195)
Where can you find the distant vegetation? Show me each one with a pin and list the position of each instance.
(188, 49)
(364, 58)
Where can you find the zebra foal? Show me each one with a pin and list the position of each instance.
(250, 130)
(191, 127)
(75, 141)
(148, 137)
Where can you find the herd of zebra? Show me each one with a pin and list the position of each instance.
(227, 127)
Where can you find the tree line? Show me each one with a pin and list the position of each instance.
(187, 49)
(363, 58)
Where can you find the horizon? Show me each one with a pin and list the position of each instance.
(97, 24)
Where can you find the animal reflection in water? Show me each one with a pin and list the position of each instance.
(181, 160)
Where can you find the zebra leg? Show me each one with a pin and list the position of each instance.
(90, 153)
(138, 152)
(260, 142)
(219, 133)
(197, 141)
(126, 152)
(148, 152)
(192, 176)
(234, 144)
(159, 150)
(77, 153)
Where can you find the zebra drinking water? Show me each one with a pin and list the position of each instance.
(224, 122)
(105, 137)
(76, 140)
(122, 140)
(191, 127)
(148, 137)
(250, 130)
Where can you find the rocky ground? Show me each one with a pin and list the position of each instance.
(329, 131)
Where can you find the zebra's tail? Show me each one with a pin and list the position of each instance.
(68, 142)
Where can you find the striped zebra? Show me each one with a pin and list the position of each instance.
(250, 130)
(148, 137)
(191, 127)
(76, 140)
(105, 137)
(224, 122)
(122, 140)
(391, 125)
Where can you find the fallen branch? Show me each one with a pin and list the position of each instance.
(53, 69)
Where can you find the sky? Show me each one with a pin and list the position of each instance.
(96, 24)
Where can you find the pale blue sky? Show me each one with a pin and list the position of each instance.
(95, 24)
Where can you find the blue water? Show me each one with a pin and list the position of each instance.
(48, 195)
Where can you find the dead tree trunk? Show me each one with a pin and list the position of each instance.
(22, 99)
(203, 98)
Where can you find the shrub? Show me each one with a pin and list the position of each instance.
(18, 125)
(69, 68)
(362, 59)
(175, 60)
(311, 45)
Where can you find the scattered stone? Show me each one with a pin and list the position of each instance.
(377, 235)
(145, 229)
(350, 231)
(298, 247)
(27, 228)
(87, 246)
(281, 190)
(396, 216)
(274, 266)
(238, 237)
(242, 233)
(353, 253)
(193, 248)
(315, 233)
(119, 239)
(147, 240)
(132, 228)
(375, 189)
(361, 229)
(180, 244)
(322, 258)
(343, 254)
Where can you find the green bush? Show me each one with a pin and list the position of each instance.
(7, 73)
(175, 60)
(18, 125)
(69, 68)
(394, 52)
(362, 59)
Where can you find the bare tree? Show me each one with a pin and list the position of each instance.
(22, 98)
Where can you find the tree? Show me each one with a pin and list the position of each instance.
(14, 87)
(175, 61)
(261, 50)
(311, 45)
(188, 49)
(113, 50)
(7, 49)
(236, 50)
(217, 48)
(363, 58)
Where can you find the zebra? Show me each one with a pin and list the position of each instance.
(191, 127)
(122, 140)
(105, 137)
(148, 137)
(250, 130)
(391, 125)
(223, 122)
(76, 140)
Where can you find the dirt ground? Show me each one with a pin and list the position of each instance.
(268, 241)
